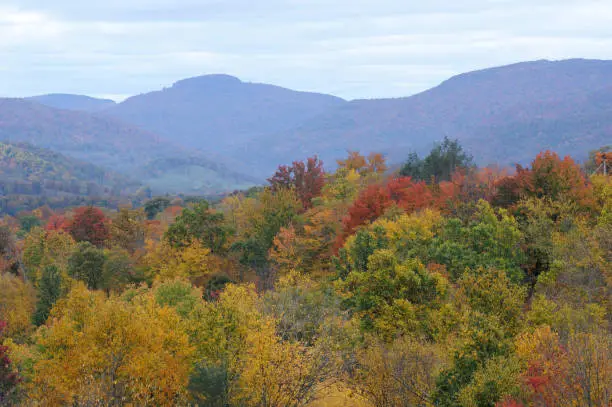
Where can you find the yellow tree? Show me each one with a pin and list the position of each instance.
(108, 351)
(17, 303)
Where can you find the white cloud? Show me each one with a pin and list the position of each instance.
(354, 48)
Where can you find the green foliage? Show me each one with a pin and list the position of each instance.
(443, 160)
(490, 239)
(391, 297)
(87, 265)
(155, 206)
(202, 224)
(49, 291)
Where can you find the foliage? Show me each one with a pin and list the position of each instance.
(107, 351)
(9, 379)
(441, 163)
(89, 225)
(49, 291)
(17, 304)
(378, 291)
(306, 178)
(87, 265)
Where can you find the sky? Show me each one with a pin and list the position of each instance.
(349, 48)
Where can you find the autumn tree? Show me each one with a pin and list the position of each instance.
(126, 230)
(9, 378)
(89, 224)
(307, 178)
(17, 304)
(109, 351)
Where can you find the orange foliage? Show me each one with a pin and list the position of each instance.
(550, 177)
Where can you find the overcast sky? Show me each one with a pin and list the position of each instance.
(350, 48)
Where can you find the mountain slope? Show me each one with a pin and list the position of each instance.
(72, 102)
(103, 141)
(31, 176)
(523, 108)
(219, 112)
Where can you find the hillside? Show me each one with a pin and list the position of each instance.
(104, 142)
(505, 114)
(72, 102)
(219, 113)
(34, 175)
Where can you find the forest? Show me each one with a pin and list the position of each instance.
(438, 283)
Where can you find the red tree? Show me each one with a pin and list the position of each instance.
(57, 222)
(307, 178)
(89, 224)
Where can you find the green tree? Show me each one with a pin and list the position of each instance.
(443, 160)
(199, 223)
(156, 206)
(87, 264)
(49, 291)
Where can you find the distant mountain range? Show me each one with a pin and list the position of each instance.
(189, 136)
(72, 102)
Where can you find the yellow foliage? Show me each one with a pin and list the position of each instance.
(17, 303)
(168, 263)
(103, 351)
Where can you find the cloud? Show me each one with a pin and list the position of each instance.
(352, 48)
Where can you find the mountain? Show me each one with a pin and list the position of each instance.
(108, 143)
(506, 114)
(72, 102)
(32, 176)
(219, 113)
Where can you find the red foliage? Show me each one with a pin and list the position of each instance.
(307, 178)
(90, 225)
(374, 200)
(8, 377)
(57, 222)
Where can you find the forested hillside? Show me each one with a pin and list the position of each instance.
(31, 177)
(442, 284)
(112, 145)
(503, 115)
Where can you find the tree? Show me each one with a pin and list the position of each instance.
(89, 225)
(263, 220)
(49, 291)
(9, 378)
(202, 224)
(156, 206)
(441, 163)
(549, 177)
(87, 264)
(402, 373)
(17, 304)
(8, 261)
(127, 229)
(28, 222)
(306, 178)
(111, 351)
(389, 296)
